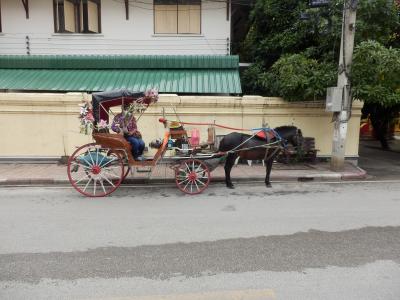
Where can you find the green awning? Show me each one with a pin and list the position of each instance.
(169, 74)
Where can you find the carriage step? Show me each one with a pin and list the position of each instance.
(143, 169)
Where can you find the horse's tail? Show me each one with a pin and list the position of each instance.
(299, 132)
(300, 138)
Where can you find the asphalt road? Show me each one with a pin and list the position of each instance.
(294, 241)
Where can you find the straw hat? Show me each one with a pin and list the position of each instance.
(174, 124)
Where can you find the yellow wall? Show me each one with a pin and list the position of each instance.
(47, 125)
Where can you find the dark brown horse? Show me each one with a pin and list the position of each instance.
(254, 148)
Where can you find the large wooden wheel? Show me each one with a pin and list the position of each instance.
(95, 171)
(192, 176)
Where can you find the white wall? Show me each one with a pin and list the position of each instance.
(119, 36)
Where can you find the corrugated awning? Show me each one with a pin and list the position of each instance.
(169, 74)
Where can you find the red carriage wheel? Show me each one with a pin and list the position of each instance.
(192, 176)
(95, 171)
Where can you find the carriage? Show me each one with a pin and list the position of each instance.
(97, 169)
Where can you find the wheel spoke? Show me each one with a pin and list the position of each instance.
(80, 165)
(90, 155)
(184, 175)
(181, 182)
(86, 176)
(94, 187)
(97, 156)
(200, 172)
(106, 179)
(187, 168)
(107, 163)
(102, 185)
(186, 184)
(198, 168)
(87, 184)
(83, 157)
(104, 156)
(198, 189)
(199, 181)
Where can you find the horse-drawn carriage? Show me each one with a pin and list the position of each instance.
(97, 169)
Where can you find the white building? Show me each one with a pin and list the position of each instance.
(130, 27)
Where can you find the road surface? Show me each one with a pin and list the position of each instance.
(294, 241)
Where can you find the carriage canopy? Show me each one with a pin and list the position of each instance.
(103, 101)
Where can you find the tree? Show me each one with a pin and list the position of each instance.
(376, 81)
(296, 58)
(276, 29)
(297, 77)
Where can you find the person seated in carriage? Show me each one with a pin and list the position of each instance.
(124, 123)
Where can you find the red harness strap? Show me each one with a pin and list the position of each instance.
(265, 135)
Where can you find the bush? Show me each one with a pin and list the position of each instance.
(299, 78)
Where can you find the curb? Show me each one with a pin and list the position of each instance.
(27, 181)
(307, 178)
(361, 174)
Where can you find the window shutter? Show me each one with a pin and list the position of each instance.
(81, 26)
(165, 20)
(195, 18)
(93, 16)
(69, 16)
(183, 19)
(189, 19)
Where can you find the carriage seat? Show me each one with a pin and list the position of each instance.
(114, 141)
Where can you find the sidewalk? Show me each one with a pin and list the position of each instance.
(47, 174)
(379, 163)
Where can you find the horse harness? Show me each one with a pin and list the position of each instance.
(268, 134)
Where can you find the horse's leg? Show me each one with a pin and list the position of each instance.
(268, 164)
(230, 161)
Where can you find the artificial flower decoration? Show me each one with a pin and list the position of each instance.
(151, 93)
(103, 124)
(84, 110)
(86, 119)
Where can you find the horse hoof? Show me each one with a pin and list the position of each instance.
(230, 187)
(268, 185)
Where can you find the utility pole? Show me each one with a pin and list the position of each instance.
(342, 115)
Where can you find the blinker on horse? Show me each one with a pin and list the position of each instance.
(251, 147)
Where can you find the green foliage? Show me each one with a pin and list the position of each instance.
(296, 58)
(252, 80)
(376, 74)
(377, 20)
(299, 78)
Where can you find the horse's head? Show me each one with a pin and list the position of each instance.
(290, 134)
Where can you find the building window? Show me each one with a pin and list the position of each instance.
(177, 16)
(77, 16)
